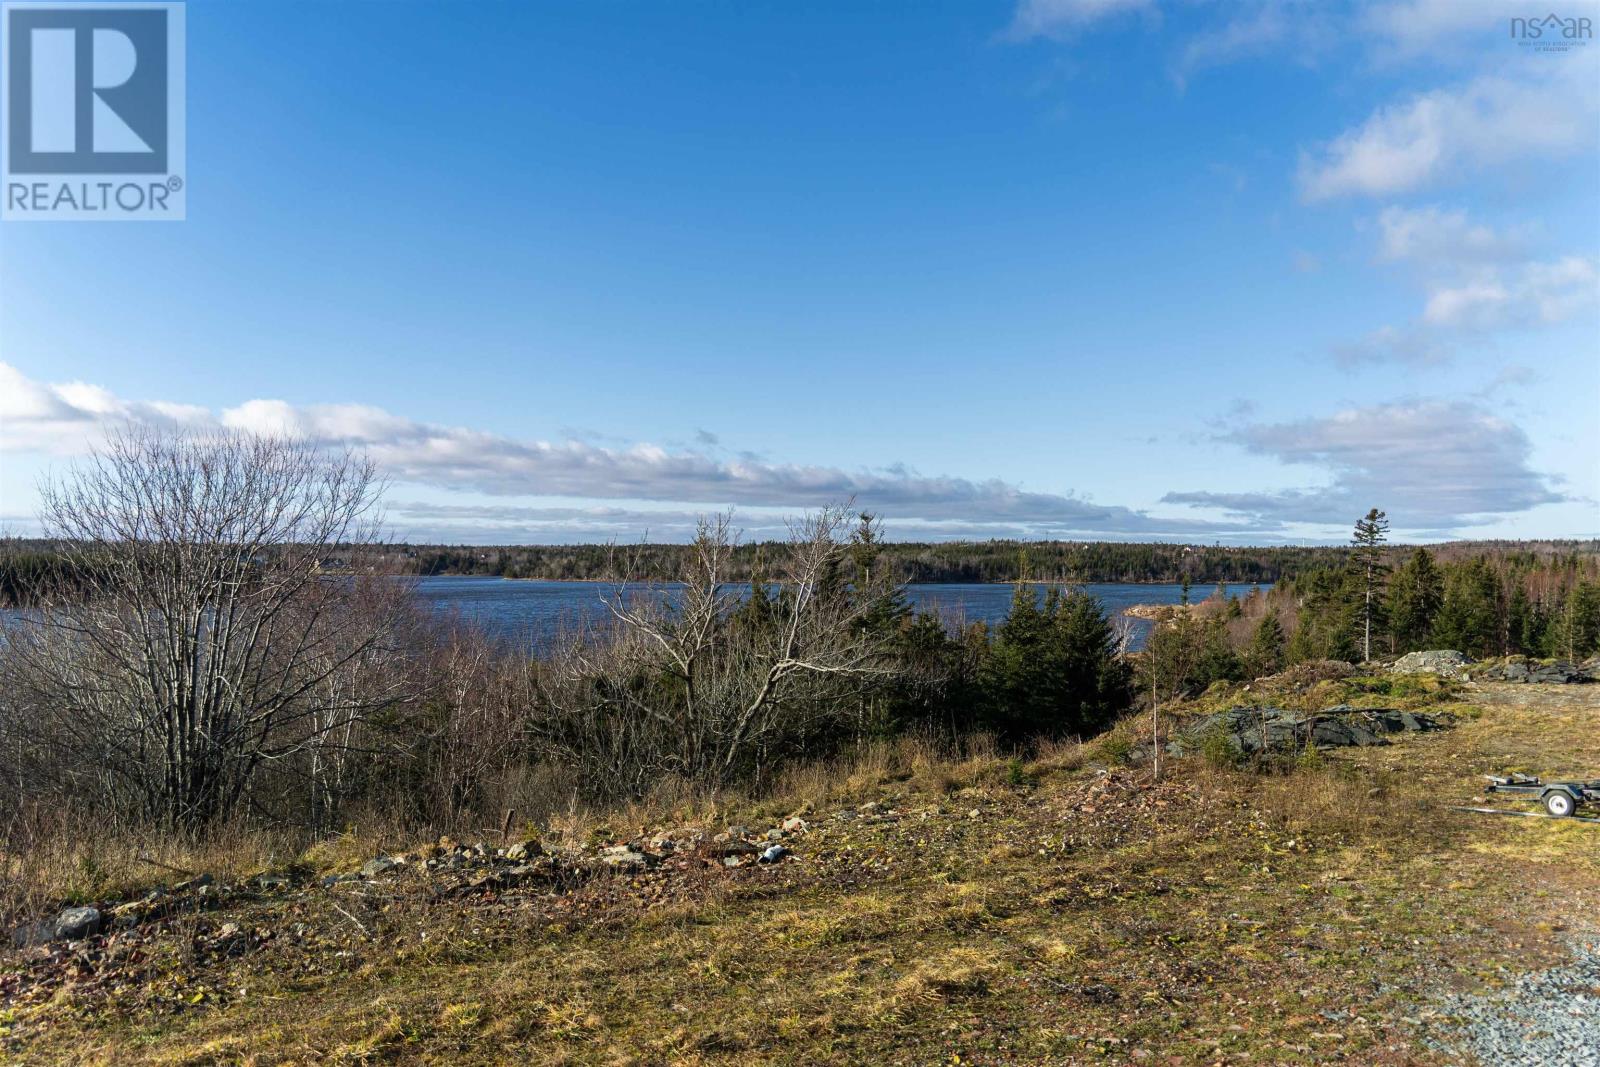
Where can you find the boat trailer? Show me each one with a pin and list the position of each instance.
(1560, 800)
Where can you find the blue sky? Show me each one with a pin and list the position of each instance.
(1071, 268)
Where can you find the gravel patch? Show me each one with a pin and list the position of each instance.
(1540, 1018)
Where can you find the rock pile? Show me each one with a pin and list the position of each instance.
(447, 866)
(1254, 730)
(1447, 663)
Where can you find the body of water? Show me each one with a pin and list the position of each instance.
(534, 612)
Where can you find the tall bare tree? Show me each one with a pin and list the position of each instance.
(220, 623)
(701, 679)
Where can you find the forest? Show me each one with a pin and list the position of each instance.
(977, 561)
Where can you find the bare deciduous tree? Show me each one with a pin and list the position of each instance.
(698, 681)
(207, 639)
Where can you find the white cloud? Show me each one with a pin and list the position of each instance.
(1428, 29)
(1531, 294)
(1300, 31)
(1411, 345)
(1477, 279)
(1436, 236)
(69, 419)
(1550, 112)
(1063, 18)
(1431, 464)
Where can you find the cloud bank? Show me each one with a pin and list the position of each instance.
(67, 419)
(1441, 464)
(1452, 464)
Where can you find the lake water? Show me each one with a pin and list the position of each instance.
(534, 612)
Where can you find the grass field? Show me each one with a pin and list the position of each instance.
(1063, 910)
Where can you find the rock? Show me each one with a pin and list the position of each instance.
(774, 854)
(1447, 663)
(74, 924)
(197, 882)
(775, 834)
(523, 850)
(129, 913)
(626, 857)
(730, 848)
(378, 865)
(30, 934)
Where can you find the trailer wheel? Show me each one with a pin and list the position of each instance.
(1558, 804)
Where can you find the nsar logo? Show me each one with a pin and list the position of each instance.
(1553, 33)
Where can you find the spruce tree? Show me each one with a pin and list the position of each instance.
(1469, 617)
(1267, 647)
(1579, 628)
(1416, 590)
(1370, 533)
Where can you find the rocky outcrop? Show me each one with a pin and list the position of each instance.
(1531, 671)
(1252, 731)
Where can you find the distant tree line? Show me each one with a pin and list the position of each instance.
(25, 564)
(998, 561)
(1513, 604)
(1486, 600)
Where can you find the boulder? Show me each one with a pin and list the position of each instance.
(626, 857)
(74, 924)
(523, 850)
(1447, 663)
(378, 865)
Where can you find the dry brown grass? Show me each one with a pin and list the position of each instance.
(1083, 917)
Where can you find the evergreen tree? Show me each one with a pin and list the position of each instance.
(1578, 633)
(1053, 669)
(1518, 611)
(1183, 657)
(1267, 647)
(1370, 533)
(1329, 615)
(1415, 592)
(1469, 616)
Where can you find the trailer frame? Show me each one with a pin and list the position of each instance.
(1560, 799)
